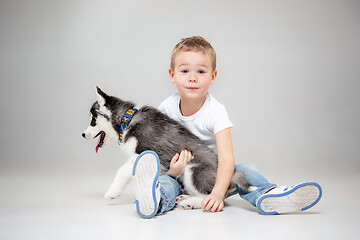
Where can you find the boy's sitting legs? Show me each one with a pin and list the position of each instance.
(157, 194)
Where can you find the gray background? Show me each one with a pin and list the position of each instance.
(289, 75)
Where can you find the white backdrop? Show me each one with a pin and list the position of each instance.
(289, 73)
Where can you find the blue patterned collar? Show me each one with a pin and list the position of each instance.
(125, 121)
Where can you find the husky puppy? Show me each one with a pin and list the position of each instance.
(150, 129)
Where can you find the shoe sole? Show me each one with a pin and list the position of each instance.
(146, 173)
(300, 198)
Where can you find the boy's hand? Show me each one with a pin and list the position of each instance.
(178, 163)
(213, 203)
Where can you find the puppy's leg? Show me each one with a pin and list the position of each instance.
(190, 203)
(122, 178)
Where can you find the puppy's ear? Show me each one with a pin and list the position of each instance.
(101, 96)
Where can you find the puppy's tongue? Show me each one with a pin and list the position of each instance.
(101, 138)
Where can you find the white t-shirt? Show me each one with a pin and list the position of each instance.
(205, 123)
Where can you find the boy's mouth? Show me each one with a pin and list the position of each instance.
(192, 88)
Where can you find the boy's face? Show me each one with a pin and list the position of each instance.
(193, 74)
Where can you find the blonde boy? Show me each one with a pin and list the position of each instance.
(193, 71)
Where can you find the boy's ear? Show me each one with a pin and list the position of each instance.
(101, 96)
(213, 77)
(171, 75)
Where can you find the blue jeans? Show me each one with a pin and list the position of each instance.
(170, 188)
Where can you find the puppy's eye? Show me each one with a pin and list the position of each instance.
(93, 122)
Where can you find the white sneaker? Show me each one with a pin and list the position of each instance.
(146, 173)
(289, 199)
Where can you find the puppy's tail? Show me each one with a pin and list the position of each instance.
(239, 179)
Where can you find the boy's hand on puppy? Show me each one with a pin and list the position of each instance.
(178, 163)
(213, 203)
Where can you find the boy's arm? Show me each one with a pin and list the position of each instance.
(226, 166)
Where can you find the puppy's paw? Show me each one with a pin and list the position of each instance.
(181, 198)
(112, 194)
(190, 203)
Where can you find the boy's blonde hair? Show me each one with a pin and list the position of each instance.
(196, 44)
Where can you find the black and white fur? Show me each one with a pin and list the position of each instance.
(152, 130)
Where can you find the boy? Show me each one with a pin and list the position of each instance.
(193, 71)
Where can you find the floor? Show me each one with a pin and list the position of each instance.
(57, 201)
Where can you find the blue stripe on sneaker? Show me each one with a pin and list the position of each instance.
(154, 186)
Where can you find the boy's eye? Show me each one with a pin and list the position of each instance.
(201, 71)
(184, 71)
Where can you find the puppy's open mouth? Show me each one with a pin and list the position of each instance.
(101, 140)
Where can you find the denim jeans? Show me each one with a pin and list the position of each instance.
(170, 188)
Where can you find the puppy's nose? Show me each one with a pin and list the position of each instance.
(83, 135)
